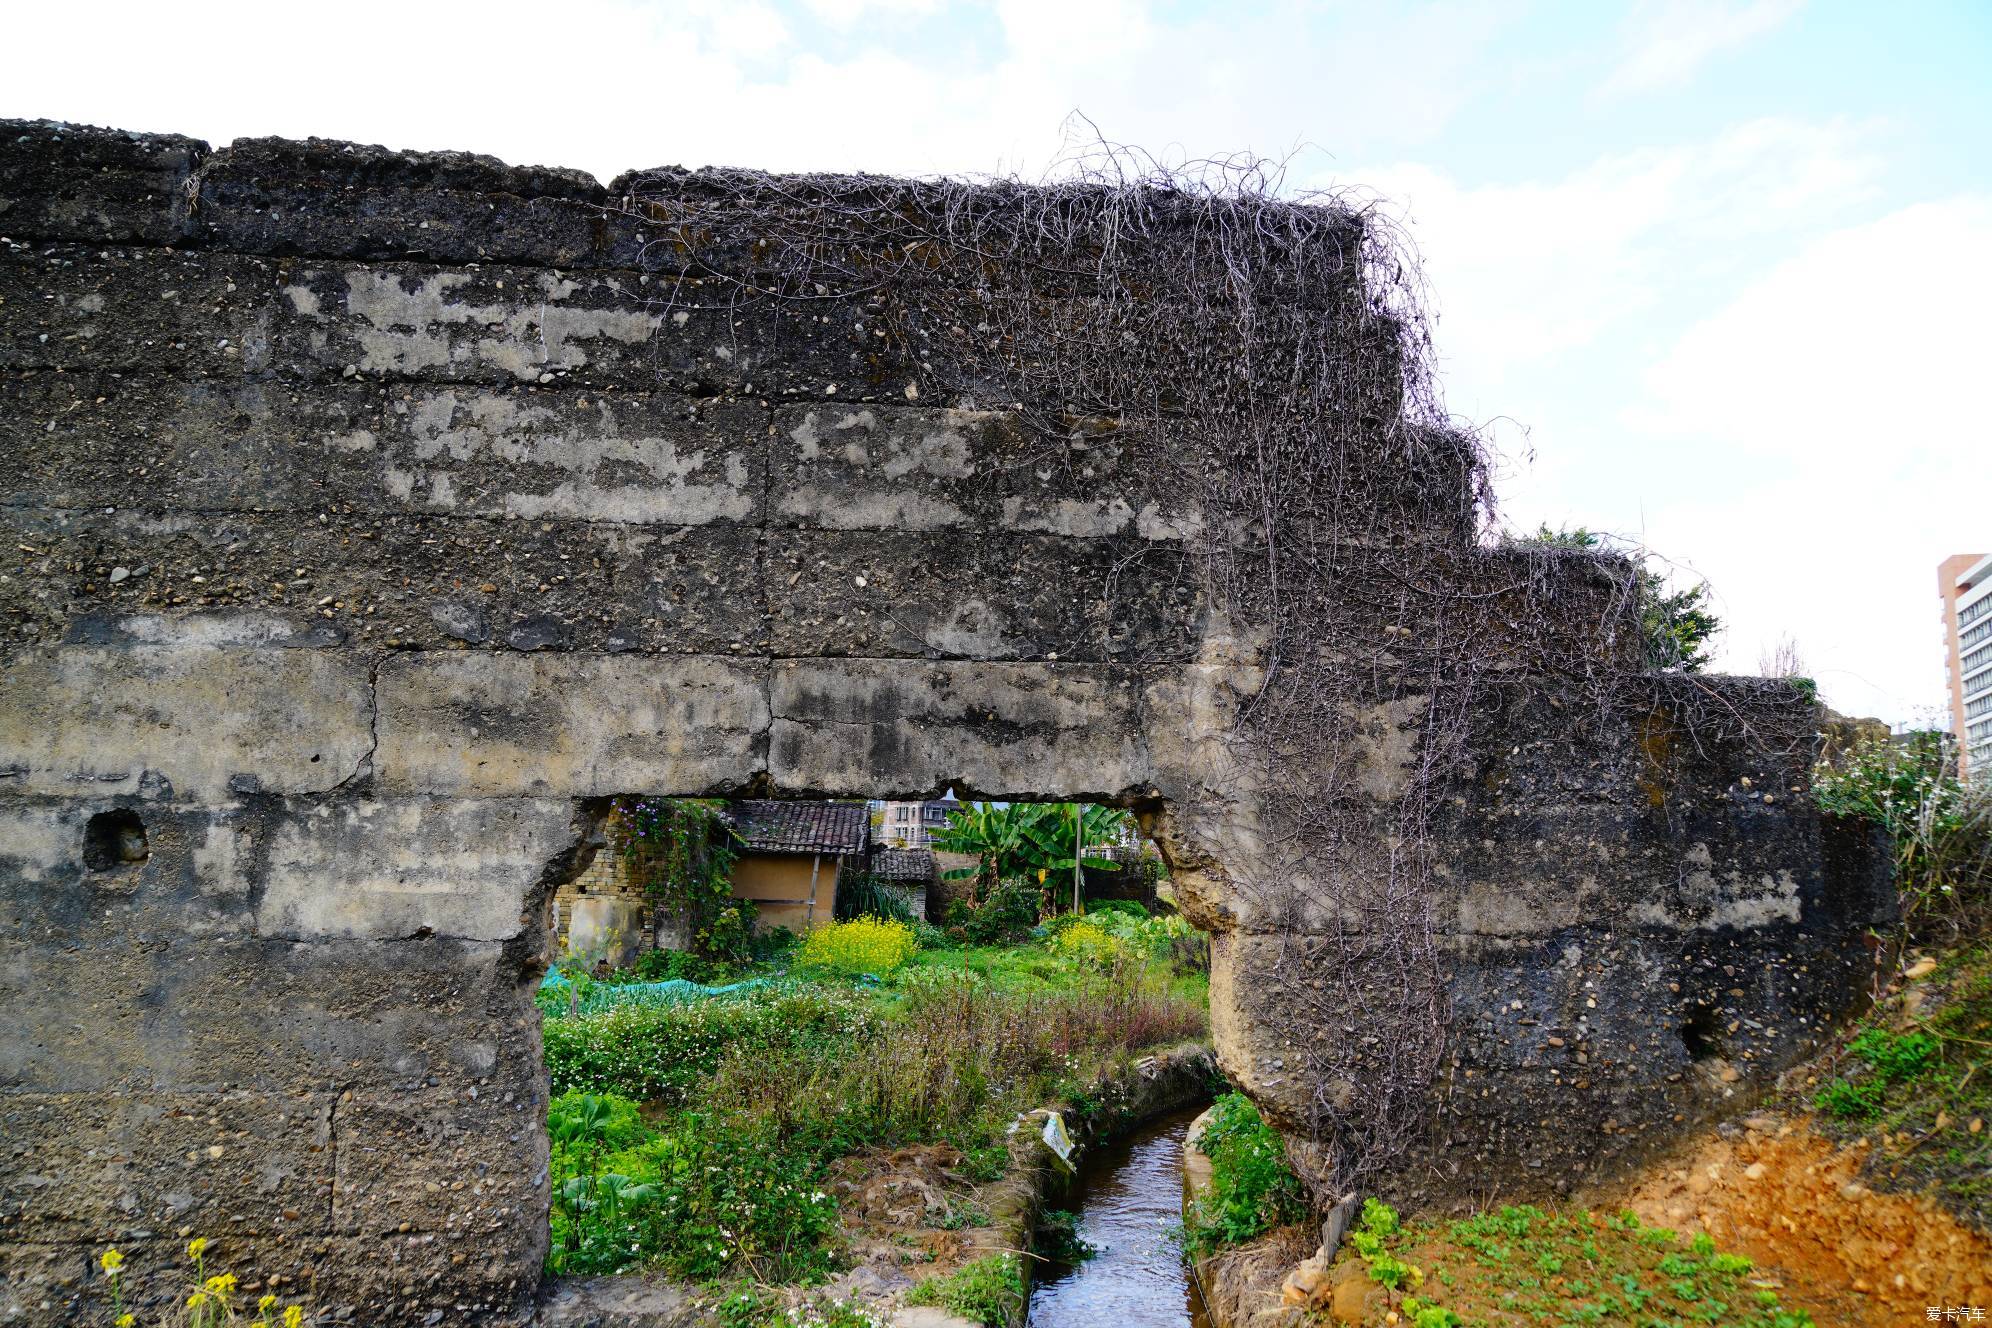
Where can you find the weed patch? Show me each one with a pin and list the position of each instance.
(989, 1290)
(1252, 1189)
(1916, 1080)
(1523, 1265)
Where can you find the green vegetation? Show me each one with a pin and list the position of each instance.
(1676, 626)
(1522, 1265)
(1915, 1079)
(1252, 1189)
(1039, 842)
(1057, 1238)
(990, 1290)
(1940, 826)
(683, 851)
(761, 1307)
(1917, 1083)
(695, 1137)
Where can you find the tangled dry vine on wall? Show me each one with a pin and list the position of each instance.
(1267, 358)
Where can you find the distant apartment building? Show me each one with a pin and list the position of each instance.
(914, 824)
(1965, 580)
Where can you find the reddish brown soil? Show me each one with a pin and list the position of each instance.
(1794, 1202)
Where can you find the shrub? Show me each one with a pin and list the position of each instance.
(1086, 943)
(989, 1290)
(1008, 914)
(705, 1193)
(1252, 1189)
(670, 966)
(1940, 826)
(1057, 1238)
(731, 1193)
(865, 896)
(1133, 908)
(879, 946)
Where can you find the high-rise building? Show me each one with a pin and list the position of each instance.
(1965, 581)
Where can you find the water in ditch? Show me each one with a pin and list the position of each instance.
(1129, 1198)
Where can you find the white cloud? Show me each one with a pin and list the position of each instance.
(1666, 41)
(848, 14)
(703, 82)
(1828, 419)
(1521, 273)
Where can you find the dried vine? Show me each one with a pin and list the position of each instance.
(1268, 359)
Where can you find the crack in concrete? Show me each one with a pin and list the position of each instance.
(364, 766)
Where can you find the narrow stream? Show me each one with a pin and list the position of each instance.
(1129, 1197)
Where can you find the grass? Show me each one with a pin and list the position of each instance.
(1522, 1265)
(1915, 1081)
(745, 1101)
(988, 1291)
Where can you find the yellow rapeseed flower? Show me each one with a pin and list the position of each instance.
(127, 1320)
(198, 1299)
(221, 1284)
(111, 1261)
(293, 1317)
(268, 1300)
(197, 1247)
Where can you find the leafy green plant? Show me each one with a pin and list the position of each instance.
(700, 1195)
(1896, 1057)
(865, 896)
(590, 1205)
(1252, 1188)
(1007, 913)
(1421, 1315)
(671, 966)
(757, 1307)
(989, 1290)
(1057, 1238)
(1039, 841)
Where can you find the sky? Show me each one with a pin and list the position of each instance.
(1715, 275)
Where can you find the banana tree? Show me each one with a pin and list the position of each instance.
(1030, 839)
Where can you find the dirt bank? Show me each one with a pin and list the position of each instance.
(1795, 1202)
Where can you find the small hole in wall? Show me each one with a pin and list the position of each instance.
(314, 758)
(1702, 1033)
(113, 840)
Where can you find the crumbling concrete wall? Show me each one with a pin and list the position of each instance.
(372, 521)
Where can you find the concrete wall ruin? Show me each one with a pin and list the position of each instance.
(372, 518)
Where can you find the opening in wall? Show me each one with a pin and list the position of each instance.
(785, 1037)
(115, 840)
(1702, 1033)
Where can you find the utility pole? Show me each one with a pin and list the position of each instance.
(1078, 822)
